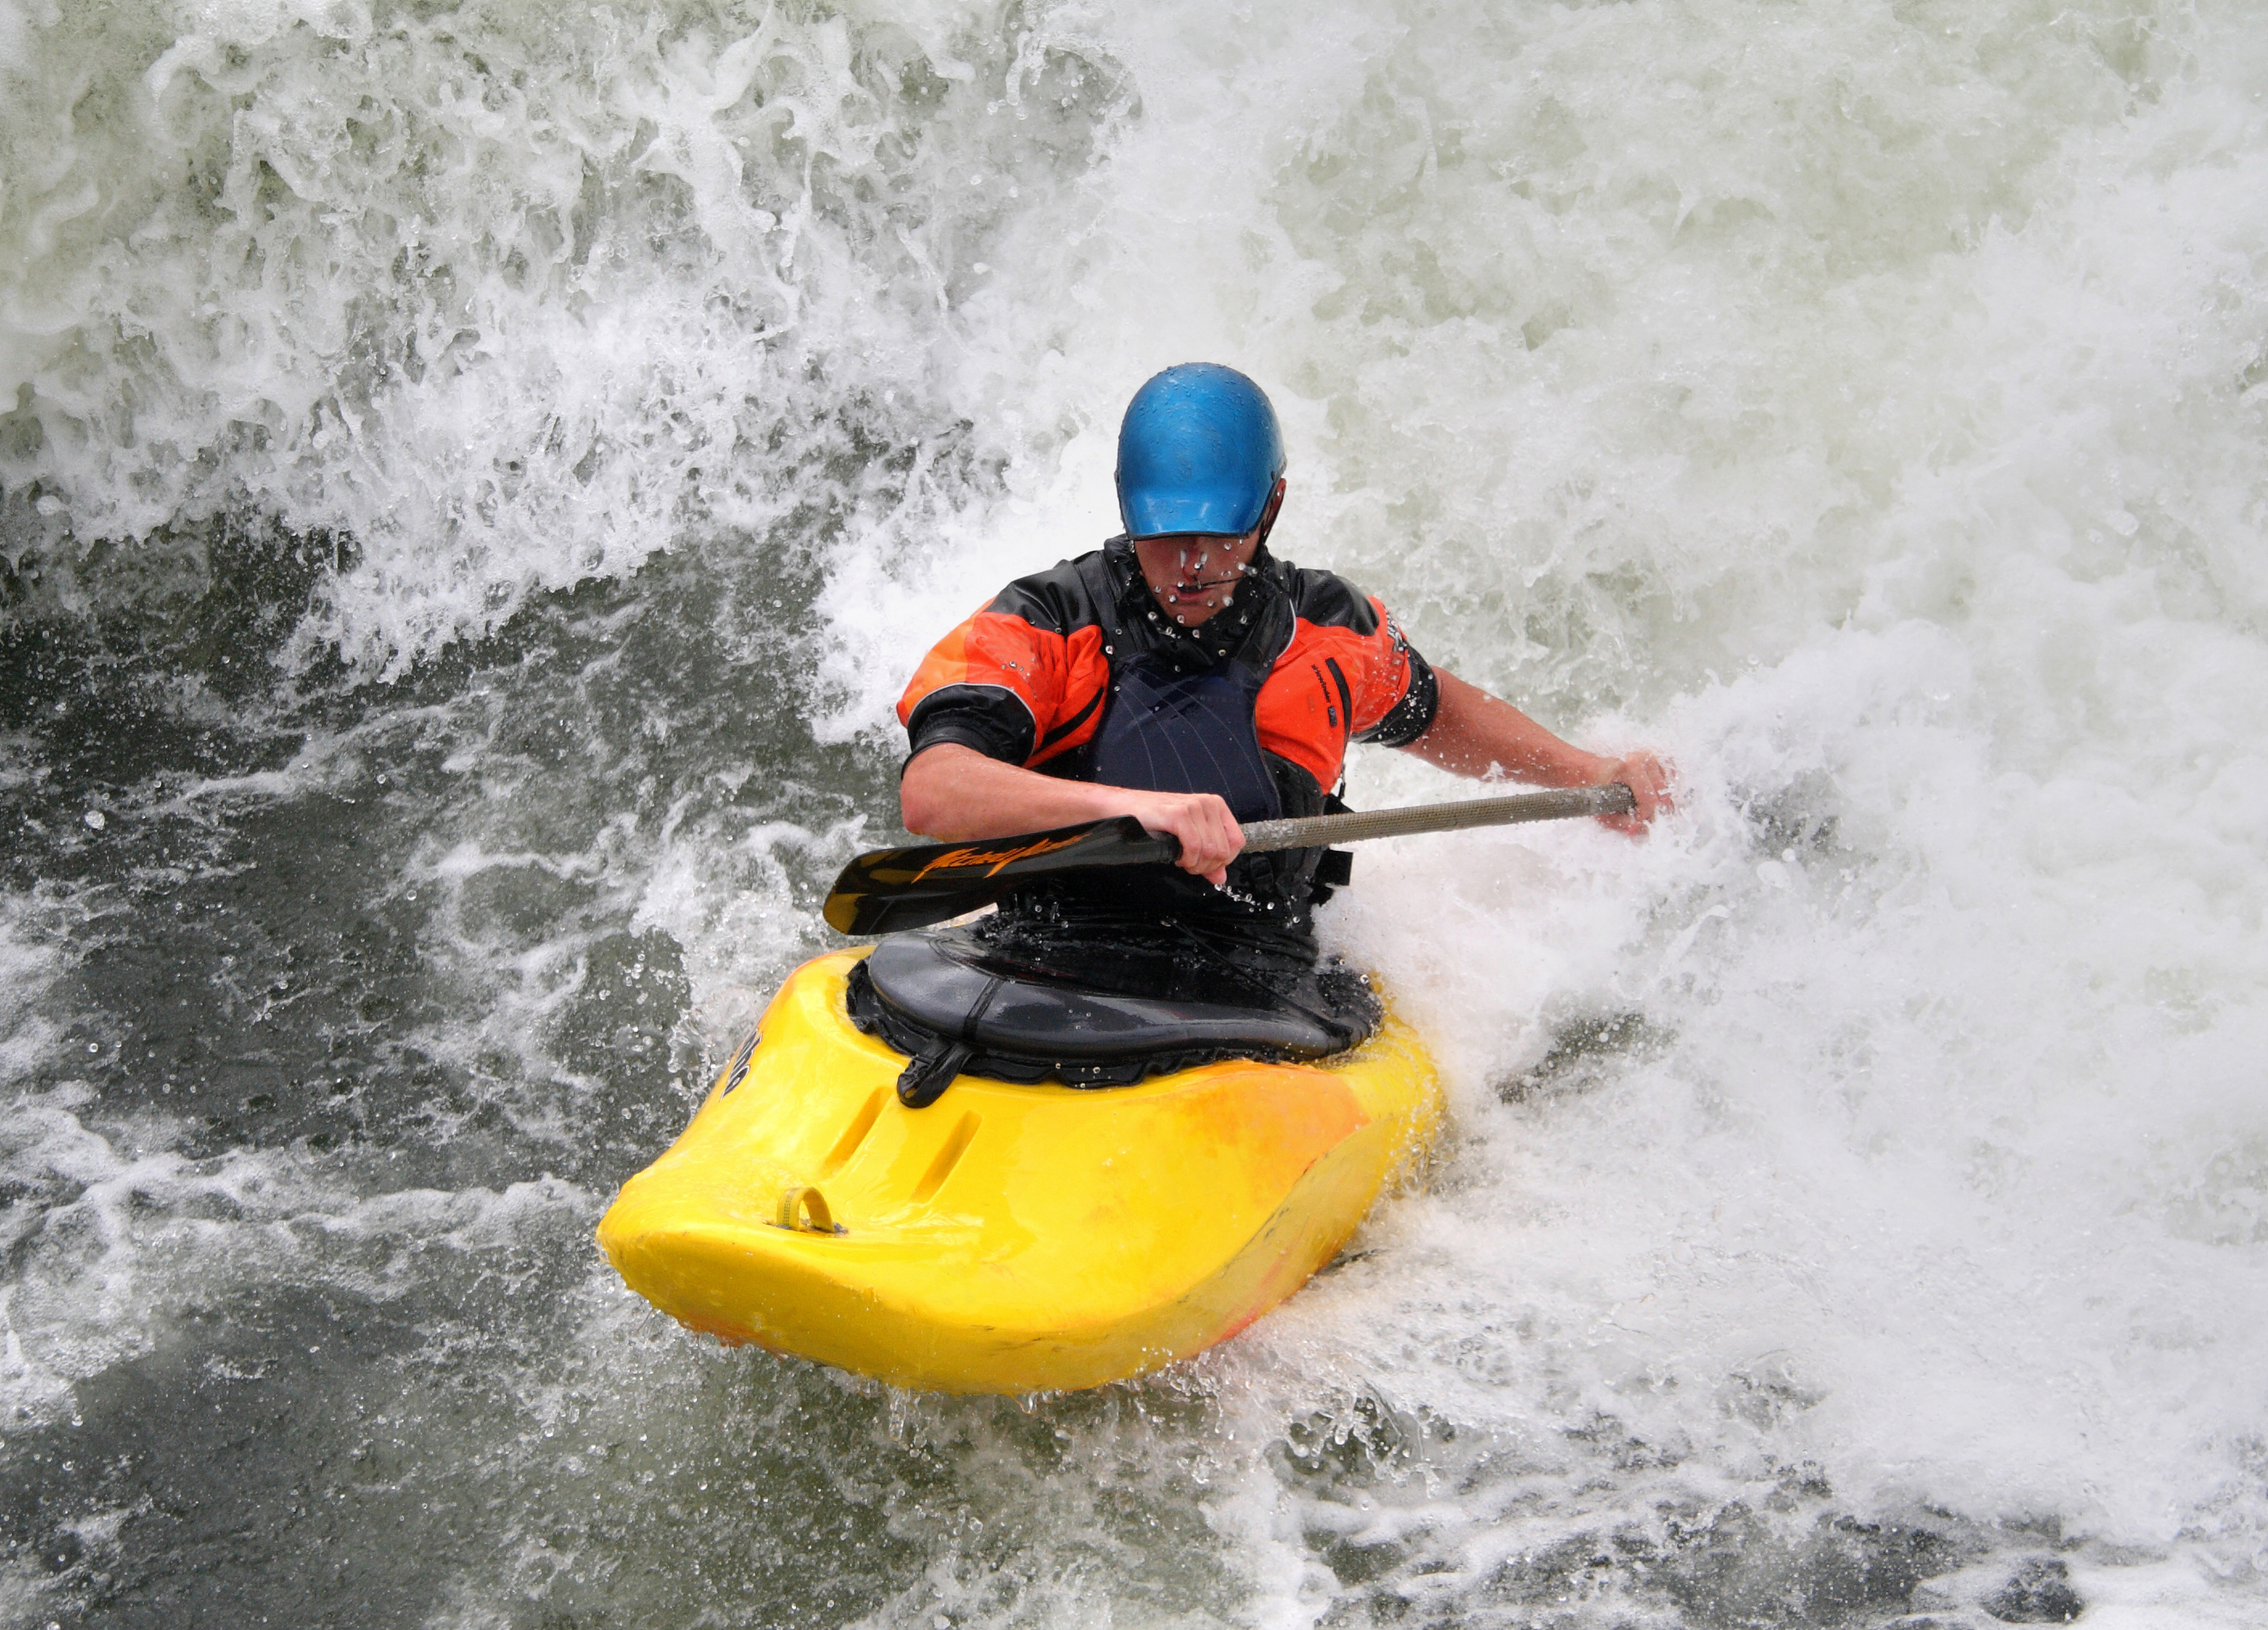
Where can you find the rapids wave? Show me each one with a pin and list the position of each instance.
(473, 479)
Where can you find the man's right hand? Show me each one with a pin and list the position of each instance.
(1209, 835)
(952, 793)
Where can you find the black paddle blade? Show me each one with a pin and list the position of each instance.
(889, 890)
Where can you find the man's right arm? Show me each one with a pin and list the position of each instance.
(1000, 692)
(953, 793)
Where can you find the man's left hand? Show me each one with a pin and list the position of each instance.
(1648, 779)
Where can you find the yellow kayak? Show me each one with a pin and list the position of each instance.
(1006, 1238)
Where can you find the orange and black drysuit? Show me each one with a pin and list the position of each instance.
(1075, 672)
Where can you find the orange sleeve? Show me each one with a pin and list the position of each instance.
(1334, 683)
(989, 650)
(1020, 693)
(1384, 659)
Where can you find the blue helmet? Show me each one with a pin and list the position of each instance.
(1199, 451)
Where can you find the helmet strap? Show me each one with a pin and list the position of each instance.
(1267, 515)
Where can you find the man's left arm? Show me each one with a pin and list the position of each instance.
(1474, 733)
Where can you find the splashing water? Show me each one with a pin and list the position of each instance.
(474, 478)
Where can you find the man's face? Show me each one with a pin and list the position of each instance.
(1192, 577)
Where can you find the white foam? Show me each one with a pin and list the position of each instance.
(634, 291)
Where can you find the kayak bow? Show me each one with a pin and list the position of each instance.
(1013, 1238)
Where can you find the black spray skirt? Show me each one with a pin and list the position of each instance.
(1101, 997)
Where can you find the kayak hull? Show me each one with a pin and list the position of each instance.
(1007, 1238)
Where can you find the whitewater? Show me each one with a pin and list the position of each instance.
(474, 479)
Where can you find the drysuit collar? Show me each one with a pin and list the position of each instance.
(1220, 635)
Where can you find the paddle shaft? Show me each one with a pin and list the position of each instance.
(891, 889)
(1317, 831)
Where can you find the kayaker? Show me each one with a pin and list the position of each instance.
(1183, 674)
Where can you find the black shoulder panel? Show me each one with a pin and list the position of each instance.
(1058, 599)
(1327, 599)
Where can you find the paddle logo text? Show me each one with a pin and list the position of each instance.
(993, 859)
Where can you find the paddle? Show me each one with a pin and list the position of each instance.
(890, 889)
